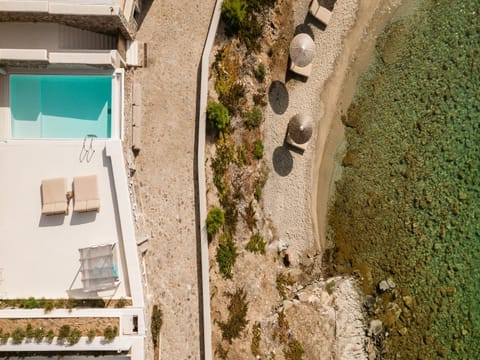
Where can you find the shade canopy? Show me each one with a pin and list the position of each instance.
(300, 128)
(98, 268)
(302, 49)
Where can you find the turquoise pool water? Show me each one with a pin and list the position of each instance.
(59, 106)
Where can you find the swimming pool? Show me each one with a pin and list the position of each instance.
(60, 106)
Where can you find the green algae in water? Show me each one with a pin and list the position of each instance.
(408, 204)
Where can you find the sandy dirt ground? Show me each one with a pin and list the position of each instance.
(164, 180)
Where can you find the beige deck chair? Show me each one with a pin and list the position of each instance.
(54, 196)
(303, 71)
(85, 190)
(320, 13)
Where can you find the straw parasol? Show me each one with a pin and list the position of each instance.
(302, 49)
(300, 128)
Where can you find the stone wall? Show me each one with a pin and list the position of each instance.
(111, 25)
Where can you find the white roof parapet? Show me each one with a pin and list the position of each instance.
(24, 6)
(24, 54)
(119, 344)
(83, 9)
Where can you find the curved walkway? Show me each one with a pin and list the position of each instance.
(166, 169)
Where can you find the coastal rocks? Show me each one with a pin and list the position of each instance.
(386, 285)
(375, 328)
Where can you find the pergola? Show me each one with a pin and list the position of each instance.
(98, 269)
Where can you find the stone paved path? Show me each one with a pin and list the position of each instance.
(175, 32)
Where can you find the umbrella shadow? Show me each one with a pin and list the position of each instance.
(278, 97)
(282, 161)
(304, 29)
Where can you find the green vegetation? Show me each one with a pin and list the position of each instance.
(241, 17)
(29, 333)
(226, 255)
(18, 336)
(215, 220)
(254, 118)
(237, 321)
(63, 333)
(50, 335)
(256, 244)
(249, 216)
(258, 149)
(260, 183)
(233, 14)
(330, 286)
(156, 324)
(256, 336)
(38, 335)
(110, 333)
(224, 156)
(91, 335)
(282, 282)
(74, 337)
(121, 303)
(49, 304)
(294, 350)
(218, 116)
(4, 337)
(260, 72)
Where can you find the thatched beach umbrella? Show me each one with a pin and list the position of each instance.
(302, 49)
(300, 128)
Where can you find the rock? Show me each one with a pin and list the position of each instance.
(403, 331)
(391, 284)
(282, 246)
(386, 285)
(369, 301)
(408, 302)
(375, 328)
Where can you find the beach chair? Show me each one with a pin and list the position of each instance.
(303, 71)
(54, 196)
(320, 13)
(85, 190)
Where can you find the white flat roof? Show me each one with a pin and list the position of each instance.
(39, 254)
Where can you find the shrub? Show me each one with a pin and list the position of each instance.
(232, 98)
(254, 118)
(241, 156)
(251, 32)
(109, 333)
(260, 72)
(226, 255)
(121, 303)
(63, 333)
(156, 325)
(30, 303)
(48, 306)
(330, 286)
(29, 333)
(258, 149)
(237, 321)
(256, 335)
(249, 216)
(38, 335)
(91, 335)
(293, 351)
(256, 244)
(260, 182)
(218, 116)
(18, 335)
(220, 352)
(233, 13)
(215, 220)
(282, 282)
(4, 337)
(74, 337)
(229, 203)
(50, 335)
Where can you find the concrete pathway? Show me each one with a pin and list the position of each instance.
(175, 35)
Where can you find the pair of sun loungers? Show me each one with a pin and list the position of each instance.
(55, 198)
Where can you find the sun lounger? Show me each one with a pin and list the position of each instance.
(304, 71)
(54, 196)
(320, 13)
(85, 190)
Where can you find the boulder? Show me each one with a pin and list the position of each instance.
(375, 328)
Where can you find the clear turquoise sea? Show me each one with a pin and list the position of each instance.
(408, 204)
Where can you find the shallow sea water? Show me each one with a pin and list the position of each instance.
(408, 204)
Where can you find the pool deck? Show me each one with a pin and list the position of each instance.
(40, 255)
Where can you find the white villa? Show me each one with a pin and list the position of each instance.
(66, 224)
